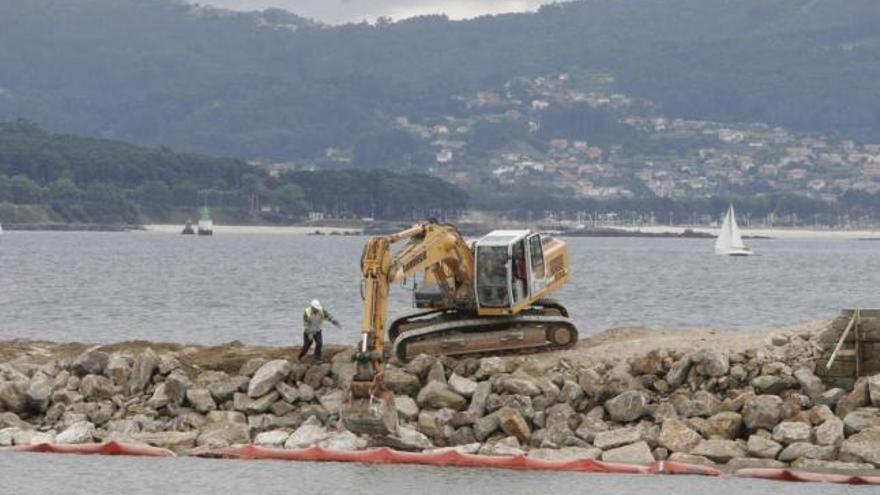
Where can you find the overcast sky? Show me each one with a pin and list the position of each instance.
(339, 11)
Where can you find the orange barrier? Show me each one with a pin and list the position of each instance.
(453, 458)
(107, 448)
(789, 475)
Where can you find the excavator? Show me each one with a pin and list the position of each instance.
(479, 298)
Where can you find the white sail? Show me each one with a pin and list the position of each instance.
(729, 239)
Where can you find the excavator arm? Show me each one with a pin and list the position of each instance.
(441, 253)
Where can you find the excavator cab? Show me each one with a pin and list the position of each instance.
(511, 270)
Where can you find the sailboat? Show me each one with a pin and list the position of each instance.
(206, 225)
(729, 240)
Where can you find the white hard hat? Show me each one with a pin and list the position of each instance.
(317, 304)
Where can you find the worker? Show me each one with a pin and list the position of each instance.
(313, 318)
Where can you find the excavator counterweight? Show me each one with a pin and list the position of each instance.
(487, 297)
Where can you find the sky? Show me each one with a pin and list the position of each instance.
(340, 11)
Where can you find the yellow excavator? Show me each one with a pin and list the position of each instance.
(485, 297)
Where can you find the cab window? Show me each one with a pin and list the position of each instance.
(536, 255)
(492, 276)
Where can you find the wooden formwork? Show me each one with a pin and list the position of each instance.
(852, 346)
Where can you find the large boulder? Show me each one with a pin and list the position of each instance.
(815, 465)
(636, 453)
(719, 450)
(807, 450)
(811, 385)
(436, 395)
(274, 438)
(408, 439)
(174, 440)
(710, 362)
(830, 432)
(861, 419)
(201, 400)
(314, 377)
(508, 446)
(344, 440)
(462, 386)
(79, 432)
(566, 454)
(96, 387)
(145, 365)
(225, 389)
(725, 425)
(615, 438)
(13, 396)
(874, 389)
(479, 398)
(118, 369)
(864, 446)
(678, 373)
(511, 422)
(628, 406)
(485, 426)
(400, 382)
(267, 377)
(39, 393)
(491, 366)
(310, 433)
(762, 411)
(406, 407)
(517, 385)
(91, 362)
(677, 437)
(221, 435)
(789, 432)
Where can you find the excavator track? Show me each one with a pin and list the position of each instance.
(477, 336)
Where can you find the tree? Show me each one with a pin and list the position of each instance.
(23, 190)
(289, 200)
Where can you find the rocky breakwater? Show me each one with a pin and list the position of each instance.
(705, 402)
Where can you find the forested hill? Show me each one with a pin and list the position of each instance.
(272, 85)
(47, 177)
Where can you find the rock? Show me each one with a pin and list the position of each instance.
(102, 413)
(254, 406)
(436, 373)
(401, 383)
(469, 448)
(220, 435)
(274, 438)
(118, 369)
(566, 454)
(830, 432)
(636, 453)
(702, 405)
(752, 462)
(406, 407)
(91, 362)
(810, 384)
(618, 380)
(174, 440)
(343, 441)
(518, 386)
(462, 386)
(709, 362)
(864, 446)
(31, 437)
(808, 450)
(436, 395)
(408, 439)
(96, 387)
(201, 400)
(288, 392)
(479, 398)
(485, 426)
(168, 363)
(9, 419)
(760, 446)
(315, 375)
(690, 459)
(7, 436)
(511, 422)
(590, 426)
(615, 438)
(820, 413)
(830, 397)
(80, 432)
(343, 373)
(768, 384)
(628, 406)
(226, 417)
(491, 366)
(420, 365)
(142, 372)
(861, 419)
(677, 437)
(571, 392)
(310, 433)
(332, 402)
(856, 398)
(874, 389)
(590, 382)
(508, 446)
(225, 390)
(306, 392)
(725, 425)
(464, 436)
(719, 450)
(678, 372)
(815, 465)
(789, 432)
(175, 388)
(762, 411)
(159, 399)
(13, 396)
(39, 393)
(267, 376)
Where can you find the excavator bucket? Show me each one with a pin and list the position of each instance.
(369, 410)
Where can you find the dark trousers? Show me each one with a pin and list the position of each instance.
(307, 343)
